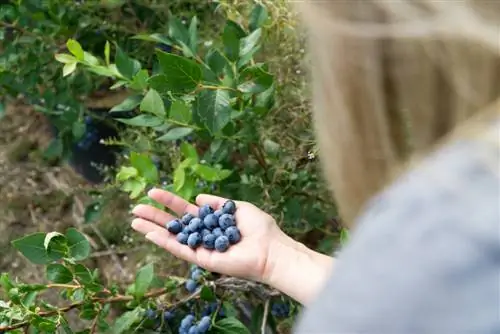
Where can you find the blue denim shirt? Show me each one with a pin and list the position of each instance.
(425, 257)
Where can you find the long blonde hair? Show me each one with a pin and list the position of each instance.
(392, 78)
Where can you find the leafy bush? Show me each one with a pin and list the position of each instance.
(194, 120)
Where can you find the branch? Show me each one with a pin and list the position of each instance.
(264, 318)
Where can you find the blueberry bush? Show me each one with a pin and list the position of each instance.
(200, 97)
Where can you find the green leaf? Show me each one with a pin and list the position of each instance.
(177, 30)
(78, 129)
(174, 134)
(75, 48)
(210, 173)
(123, 323)
(126, 173)
(79, 246)
(179, 178)
(55, 245)
(344, 236)
(153, 103)
(188, 188)
(90, 59)
(65, 58)
(231, 40)
(29, 298)
(258, 17)
(58, 273)
(207, 294)
(83, 274)
(247, 44)
(55, 149)
(256, 80)
(127, 66)
(212, 109)
(143, 280)
(2, 110)
(107, 52)
(145, 166)
(189, 152)
(92, 212)
(157, 38)
(193, 35)
(231, 326)
(129, 104)
(180, 112)
(180, 74)
(140, 81)
(134, 187)
(271, 147)
(144, 120)
(216, 61)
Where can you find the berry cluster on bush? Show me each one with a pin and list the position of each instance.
(212, 229)
(280, 309)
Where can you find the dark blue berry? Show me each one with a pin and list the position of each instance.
(194, 240)
(150, 314)
(197, 274)
(186, 230)
(174, 226)
(204, 211)
(233, 234)
(191, 285)
(280, 310)
(218, 213)
(226, 220)
(88, 120)
(189, 139)
(221, 243)
(187, 321)
(193, 330)
(167, 315)
(182, 238)
(217, 232)
(164, 47)
(210, 221)
(204, 324)
(209, 241)
(195, 225)
(205, 232)
(229, 207)
(186, 218)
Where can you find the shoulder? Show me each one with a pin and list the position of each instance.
(426, 254)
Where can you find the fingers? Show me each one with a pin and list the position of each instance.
(152, 214)
(173, 202)
(214, 201)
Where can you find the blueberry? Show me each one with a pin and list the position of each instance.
(187, 321)
(204, 232)
(167, 315)
(204, 211)
(226, 220)
(150, 314)
(193, 330)
(197, 274)
(280, 310)
(195, 225)
(193, 268)
(222, 244)
(233, 234)
(186, 230)
(174, 226)
(204, 324)
(210, 221)
(209, 241)
(194, 240)
(186, 218)
(182, 238)
(191, 285)
(229, 207)
(217, 232)
(88, 120)
(218, 213)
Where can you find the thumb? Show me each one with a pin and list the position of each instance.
(215, 202)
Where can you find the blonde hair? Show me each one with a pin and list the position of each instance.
(390, 79)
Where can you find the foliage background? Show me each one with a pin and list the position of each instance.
(41, 193)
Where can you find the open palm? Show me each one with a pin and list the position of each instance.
(249, 258)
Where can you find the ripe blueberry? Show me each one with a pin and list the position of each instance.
(186, 230)
(182, 238)
(204, 232)
(150, 314)
(187, 321)
(218, 213)
(167, 315)
(194, 240)
(195, 225)
(174, 226)
(221, 244)
(210, 221)
(193, 330)
(204, 324)
(233, 234)
(204, 211)
(209, 241)
(217, 232)
(226, 220)
(197, 274)
(229, 207)
(191, 285)
(186, 218)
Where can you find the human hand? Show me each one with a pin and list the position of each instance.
(253, 257)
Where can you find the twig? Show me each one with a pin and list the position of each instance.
(264, 318)
(110, 252)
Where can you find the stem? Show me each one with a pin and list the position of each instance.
(217, 88)
(264, 318)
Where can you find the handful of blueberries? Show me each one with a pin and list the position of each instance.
(212, 229)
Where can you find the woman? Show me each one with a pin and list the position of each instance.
(392, 80)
